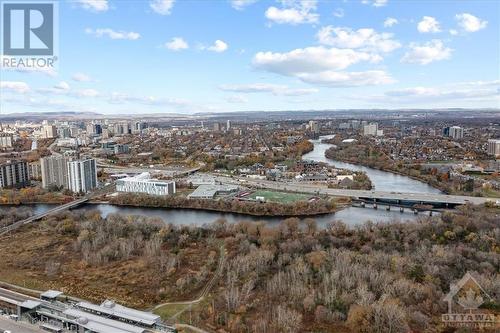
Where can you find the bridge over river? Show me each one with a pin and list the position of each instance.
(433, 199)
(104, 190)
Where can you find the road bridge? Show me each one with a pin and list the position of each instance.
(434, 199)
(75, 203)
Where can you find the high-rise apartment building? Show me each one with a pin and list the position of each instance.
(456, 132)
(34, 170)
(314, 126)
(6, 141)
(494, 147)
(370, 129)
(49, 131)
(54, 171)
(14, 174)
(82, 175)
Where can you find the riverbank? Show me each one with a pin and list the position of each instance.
(140, 262)
(435, 185)
(268, 209)
(32, 195)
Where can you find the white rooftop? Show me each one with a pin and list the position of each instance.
(100, 324)
(51, 294)
(111, 308)
(29, 304)
(144, 177)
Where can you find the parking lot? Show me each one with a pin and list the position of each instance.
(7, 324)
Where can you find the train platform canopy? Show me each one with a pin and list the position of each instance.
(110, 308)
(51, 294)
(95, 323)
(29, 304)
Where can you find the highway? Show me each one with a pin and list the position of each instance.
(425, 198)
(168, 171)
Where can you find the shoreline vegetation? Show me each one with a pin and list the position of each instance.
(352, 155)
(292, 277)
(271, 209)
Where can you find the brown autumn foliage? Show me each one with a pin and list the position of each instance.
(31, 195)
(321, 206)
(294, 277)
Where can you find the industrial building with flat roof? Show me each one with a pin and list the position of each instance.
(143, 183)
(210, 191)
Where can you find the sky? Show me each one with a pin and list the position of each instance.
(184, 56)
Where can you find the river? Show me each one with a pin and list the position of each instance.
(384, 181)
(381, 180)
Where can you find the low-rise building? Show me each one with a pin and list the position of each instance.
(143, 183)
(210, 191)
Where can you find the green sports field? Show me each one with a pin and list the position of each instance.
(280, 197)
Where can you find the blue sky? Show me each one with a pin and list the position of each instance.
(208, 56)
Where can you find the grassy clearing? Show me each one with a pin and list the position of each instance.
(167, 311)
(280, 197)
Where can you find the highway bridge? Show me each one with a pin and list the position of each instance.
(75, 203)
(433, 199)
(33, 218)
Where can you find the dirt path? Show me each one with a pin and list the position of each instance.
(204, 291)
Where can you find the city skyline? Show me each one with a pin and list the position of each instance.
(140, 57)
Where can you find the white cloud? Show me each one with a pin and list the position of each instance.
(236, 99)
(15, 86)
(339, 12)
(113, 34)
(63, 85)
(162, 7)
(347, 79)
(450, 92)
(390, 21)
(310, 59)
(470, 23)
(293, 12)
(177, 44)
(322, 66)
(219, 46)
(241, 4)
(123, 98)
(94, 5)
(426, 53)
(365, 39)
(87, 93)
(428, 25)
(81, 77)
(375, 3)
(453, 32)
(274, 89)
